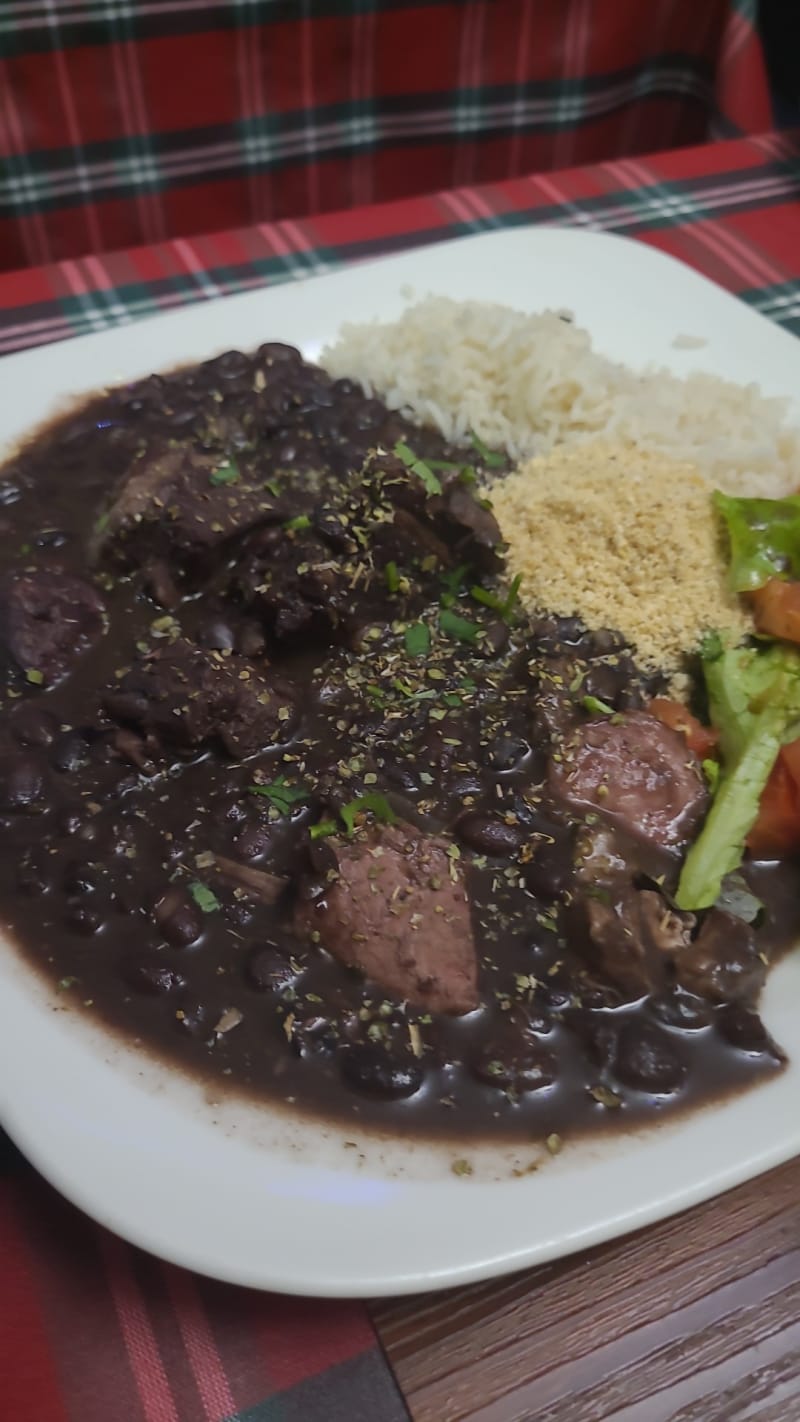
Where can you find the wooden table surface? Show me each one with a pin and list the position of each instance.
(693, 1320)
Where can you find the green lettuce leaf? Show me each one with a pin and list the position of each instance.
(754, 700)
(764, 539)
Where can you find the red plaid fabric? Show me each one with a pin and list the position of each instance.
(131, 121)
(92, 1330)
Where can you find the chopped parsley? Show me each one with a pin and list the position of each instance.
(503, 605)
(281, 795)
(34, 676)
(392, 577)
(205, 899)
(417, 639)
(423, 471)
(376, 803)
(491, 459)
(452, 584)
(295, 525)
(228, 473)
(457, 627)
(593, 703)
(322, 829)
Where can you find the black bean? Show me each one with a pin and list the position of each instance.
(367, 414)
(240, 913)
(22, 785)
(344, 388)
(514, 1065)
(70, 753)
(277, 353)
(600, 1037)
(488, 835)
(268, 968)
(551, 634)
(148, 974)
(32, 881)
(79, 877)
(403, 777)
(51, 538)
(286, 452)
(744, 1030)
(233, 811)
(462, 783)
(150, 389)
(556, 996)
(548, 871)
(33, 726)
(180, 415)
(314, 1036)
(254, 840)
(494, 640)
(250, 640)
(681, 1009)
(233, 365)
(648, 1060)
(374, 1071)
(217, 634)
(9, 492)
(179, 919)
(82, 919)
(507, 752)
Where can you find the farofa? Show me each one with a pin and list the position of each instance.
(622, 538)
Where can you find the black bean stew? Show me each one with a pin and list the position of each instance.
(291, 790)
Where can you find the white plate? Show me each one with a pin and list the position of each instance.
(244, 1193)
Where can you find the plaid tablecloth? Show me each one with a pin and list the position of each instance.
(92, 1330)
(126, 121)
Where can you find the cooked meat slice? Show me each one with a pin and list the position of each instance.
(638, 772)
(480, 534)
(295, 585)
(450, 523)
(723, 963)
(632, 936)
(398, 910)
(186, 696)
(180, 502)
(48, 620)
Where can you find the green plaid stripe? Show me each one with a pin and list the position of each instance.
(47, 178)
(24, 24)
(676, 206)
(781, 303)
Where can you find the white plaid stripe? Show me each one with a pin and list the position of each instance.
(33, 14)
(314, 139)
(780, 303)
(466, 110)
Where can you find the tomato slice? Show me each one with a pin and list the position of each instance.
(701, 739)
(776, 832)
(776, 608)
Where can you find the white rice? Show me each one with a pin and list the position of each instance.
(527, 383)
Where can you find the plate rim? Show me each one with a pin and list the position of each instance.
(201, 313)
